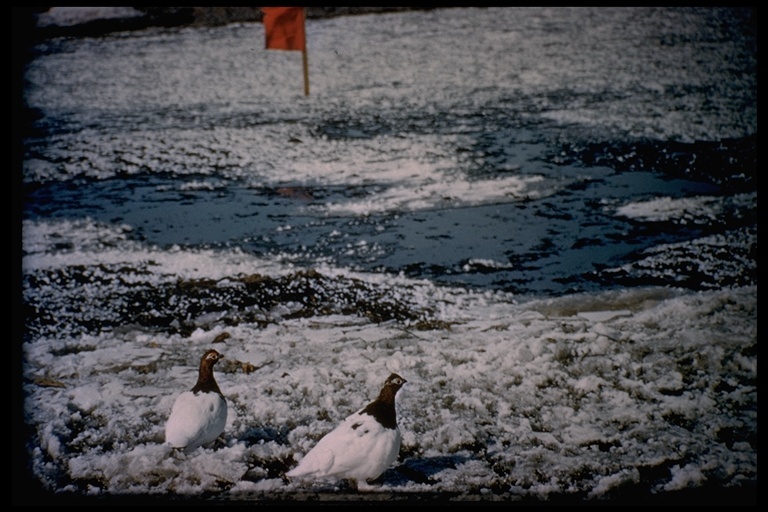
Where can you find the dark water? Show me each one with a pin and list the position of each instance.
(541, 246)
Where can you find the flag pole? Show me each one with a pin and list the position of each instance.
(304, 53)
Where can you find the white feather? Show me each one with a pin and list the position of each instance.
(196, 419)
(360, 448)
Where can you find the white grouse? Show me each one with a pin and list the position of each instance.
(198, 416)
(363, 446)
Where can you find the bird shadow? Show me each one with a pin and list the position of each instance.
(255, 435)
(419, 470)
(274, 467)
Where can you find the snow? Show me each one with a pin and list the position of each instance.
(593, 396)
(697, 210)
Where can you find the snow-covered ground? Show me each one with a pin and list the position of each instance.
(590, 395)
(608, 392)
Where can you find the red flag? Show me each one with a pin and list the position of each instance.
(284, 28)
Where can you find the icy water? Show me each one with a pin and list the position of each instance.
(549, 209)
(533, 246)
